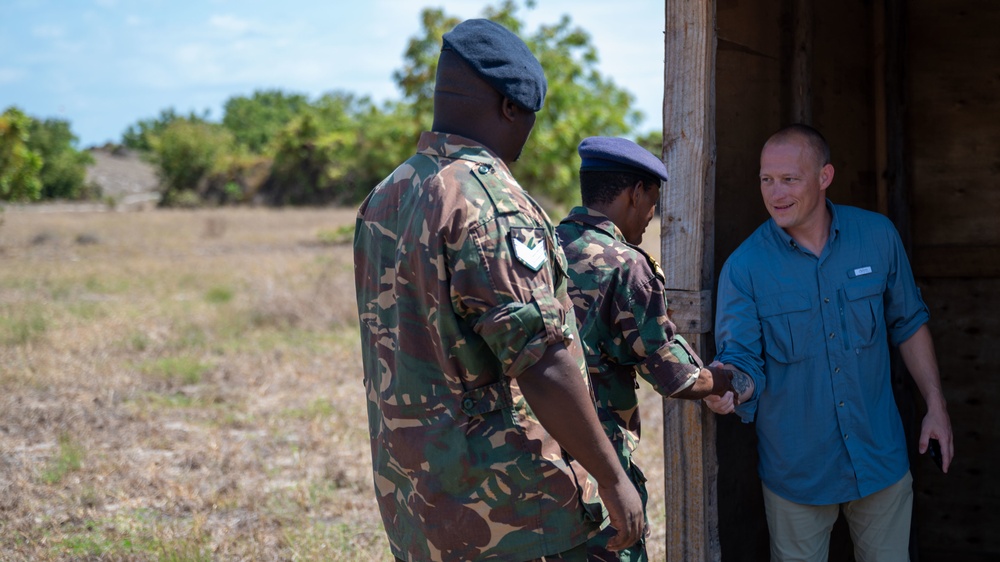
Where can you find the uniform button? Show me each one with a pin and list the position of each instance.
(468, 403)
(841, 404)
(832, 335)
(837, 370)
(845, 436)
(484, 169)
(826, 299)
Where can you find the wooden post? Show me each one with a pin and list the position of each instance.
(687, 208)
(879, 77)
(802, 56)
(898, 199)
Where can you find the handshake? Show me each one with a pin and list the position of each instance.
(730, 387)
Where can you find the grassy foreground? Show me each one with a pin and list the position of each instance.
(186, 385)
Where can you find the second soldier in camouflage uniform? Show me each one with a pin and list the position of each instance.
(618, 294)
(472, 364)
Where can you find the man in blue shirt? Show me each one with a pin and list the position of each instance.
(807, 306)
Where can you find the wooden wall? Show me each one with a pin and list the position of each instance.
(749, 96)
(951, 149)
(953, 162)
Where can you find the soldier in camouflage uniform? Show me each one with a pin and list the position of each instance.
(477, 389)
(617, 292)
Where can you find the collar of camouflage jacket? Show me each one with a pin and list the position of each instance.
(595, 219)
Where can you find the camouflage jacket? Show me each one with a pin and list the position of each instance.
(617, 292)
(461, 286)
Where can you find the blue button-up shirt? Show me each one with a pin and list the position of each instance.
(812, 332)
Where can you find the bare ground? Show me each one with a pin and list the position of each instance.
(186, 385)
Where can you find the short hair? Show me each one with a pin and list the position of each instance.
(602, 187)
(815, 140)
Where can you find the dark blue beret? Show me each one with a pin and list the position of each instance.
(501, 58)
(611, 154)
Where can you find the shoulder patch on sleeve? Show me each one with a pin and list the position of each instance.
(529, 247)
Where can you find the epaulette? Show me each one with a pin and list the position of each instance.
(653, 264)
(495, 188)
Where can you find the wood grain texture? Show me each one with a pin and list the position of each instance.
(687, 211)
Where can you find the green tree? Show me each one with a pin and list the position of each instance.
(256, 120)
(338, 150)
(139, 136)
(186, 152)
(652, 141)
(416, 78)
(19, 165)
(64, 168)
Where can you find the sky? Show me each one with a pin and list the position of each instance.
(104, 65)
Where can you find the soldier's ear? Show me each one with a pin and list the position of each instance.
(508, 109)
(636, 192)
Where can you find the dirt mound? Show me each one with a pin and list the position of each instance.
(124, 176)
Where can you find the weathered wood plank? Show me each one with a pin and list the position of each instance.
(687, 213)
(690, 311)
(802, 63)
(953, 75)
(956, 261)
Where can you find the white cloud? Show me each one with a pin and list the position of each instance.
(231, 24)
(48, 31)
(10, 75)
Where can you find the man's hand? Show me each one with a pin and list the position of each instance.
(937, 425)
(557, 392)
(918, 356)
(625, 511)
(720, 404)
(742, 390)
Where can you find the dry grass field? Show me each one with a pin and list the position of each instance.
(186, 385)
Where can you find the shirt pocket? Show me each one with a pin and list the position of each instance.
(864, 310)
(786, 321)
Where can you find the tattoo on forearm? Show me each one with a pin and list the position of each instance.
(741, 382)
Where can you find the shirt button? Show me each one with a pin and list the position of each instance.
(826, 299)
(841, 404)
(468, 403)
(837, 370)
(484, 169)
(845, 436)
(832, 335)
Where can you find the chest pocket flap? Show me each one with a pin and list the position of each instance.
(857, 291)
(786, 324)
(783, 303)
(864, 311)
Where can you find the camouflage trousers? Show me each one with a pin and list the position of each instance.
(575, 554)
(597, 546)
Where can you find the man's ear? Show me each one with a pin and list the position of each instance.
(825, 176)
(508, 108)
(636, 192)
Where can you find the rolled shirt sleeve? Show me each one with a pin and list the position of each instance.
(518, 311)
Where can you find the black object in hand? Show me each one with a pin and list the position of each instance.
(934, 450)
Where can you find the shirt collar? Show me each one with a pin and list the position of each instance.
(787, 240)
(596, 219)
(457, 147)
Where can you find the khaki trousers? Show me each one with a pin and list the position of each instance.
(879, 525)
